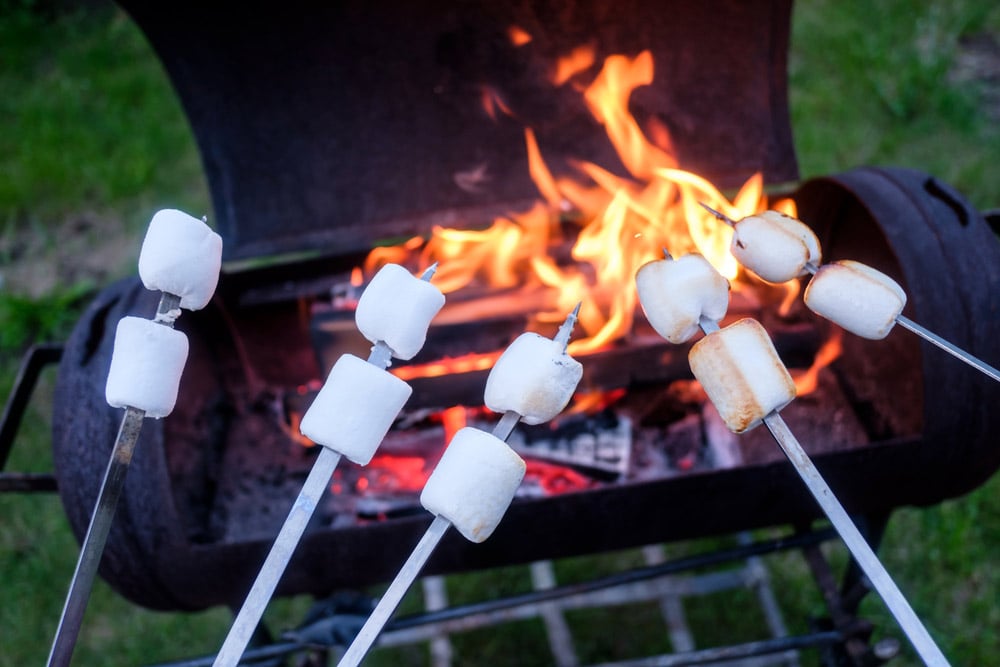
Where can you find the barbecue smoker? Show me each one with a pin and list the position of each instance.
(326, 131)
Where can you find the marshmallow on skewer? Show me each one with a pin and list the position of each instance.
(397, 308)
(146, 366)
(676, 294)
(181, 255)
(354, 410)
(742, 374)
(775, 246)
(862, 300)
(534, 377)
(474, 483)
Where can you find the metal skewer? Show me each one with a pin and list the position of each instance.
(851, 536)
(387, 604)
(104, 512)
(906, 323)
(291, 532)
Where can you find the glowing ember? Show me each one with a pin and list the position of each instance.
(624, 222)
(448, 366)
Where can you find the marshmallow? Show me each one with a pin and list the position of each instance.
(742, 374)
(181, 255)
(397, 308)
(775, 246)
(864, 301)
(675, 294)
(146, 366)
(534, 377)
(474, 483)
(355, 408)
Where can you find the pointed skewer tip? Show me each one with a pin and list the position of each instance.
(429, 272)
(718, 215)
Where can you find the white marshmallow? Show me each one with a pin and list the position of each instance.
(474, 483)
(675, 294)
(775, 246)
(864, 301)
(146, 366)
(534, 377)
(740, 371)
(182, 256)
(355, 408)
(397, 308)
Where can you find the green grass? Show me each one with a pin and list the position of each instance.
(94, 140)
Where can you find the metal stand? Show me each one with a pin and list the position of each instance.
(841, 638)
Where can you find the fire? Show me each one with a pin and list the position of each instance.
(624, 222)
(808, 380)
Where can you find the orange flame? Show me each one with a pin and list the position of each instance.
(578, 60)
(808, 381)
(624, 221)
(448, 366)
(453, 419)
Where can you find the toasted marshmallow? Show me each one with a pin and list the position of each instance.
(864, 301)
(534, 377)
(775, 246)
(676, 294)
(474, 483)
(742, 374)
(397, 308)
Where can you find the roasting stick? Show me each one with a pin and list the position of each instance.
(388, 293)
(440, 499)
(855, 542)
(846, 269)
(180, 257)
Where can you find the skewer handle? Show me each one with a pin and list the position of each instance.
(97, 535)
(277, 560)
(359, 648)
(856, 544)
(950, 348)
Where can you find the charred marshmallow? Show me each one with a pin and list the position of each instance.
(775, 246)
(181, 256)
(397, 308)
(742, 374)
(355, 408)
(676, 294)
(146, 366)
(534, 377)
(864, 301)
(474, 483)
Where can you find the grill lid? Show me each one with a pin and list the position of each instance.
(327, 127)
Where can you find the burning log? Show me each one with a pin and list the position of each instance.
(833, 292)
(747, 382)
(476, 479)
(349, 417)
(180, 257)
